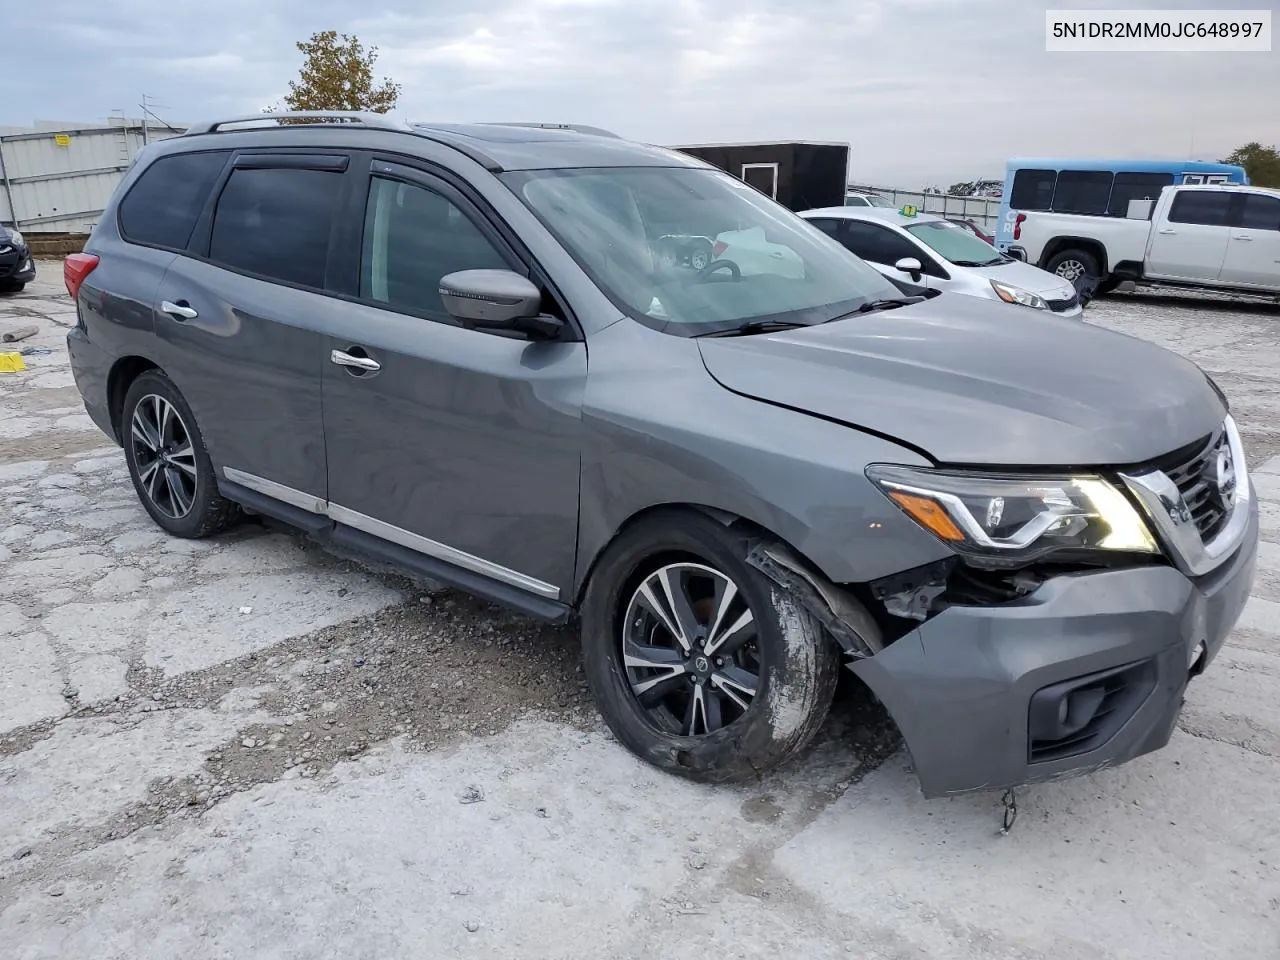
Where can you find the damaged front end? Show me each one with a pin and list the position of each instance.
(1000, 677)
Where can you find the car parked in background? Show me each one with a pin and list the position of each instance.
(449, 347)
(17, 269)
(933, 252)
(855, 198)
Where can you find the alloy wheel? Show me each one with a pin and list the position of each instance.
(690, 649)
(164, 456)
(1072, 270)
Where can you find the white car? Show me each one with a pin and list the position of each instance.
(748, 253)
(855, 198)
(931, 252)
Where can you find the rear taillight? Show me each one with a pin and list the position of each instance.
(718, 249)
(75, 268)
(1017, 226)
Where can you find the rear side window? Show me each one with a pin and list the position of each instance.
(1260, 212)
(828, 226)
(1210, 208)
(1033, 189)
(161, 208)
(878, 244)
(1082, 192)
(1136, 186)
(275, 223)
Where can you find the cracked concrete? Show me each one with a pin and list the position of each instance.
(361, 766)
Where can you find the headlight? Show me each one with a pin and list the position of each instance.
(16, 238)
(1011, 294)
(1009, 521)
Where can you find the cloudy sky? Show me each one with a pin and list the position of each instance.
(926, 91)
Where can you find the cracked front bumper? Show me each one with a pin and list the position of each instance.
(961, 686)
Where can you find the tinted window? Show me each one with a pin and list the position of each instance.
(162, 207)
(1207, 207)
(412, 237)
(1032, 189)
(879, 244)
(828, 226)
(856, 202)
(1136, 186)
(1082, 191)
(1260, 212)
(276, 223)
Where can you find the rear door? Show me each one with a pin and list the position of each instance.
(1253, 247)
(1190, 242)
(238, 319)
(463, 445)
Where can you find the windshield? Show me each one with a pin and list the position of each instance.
(877, 201)
(954, 243)
(692, 251)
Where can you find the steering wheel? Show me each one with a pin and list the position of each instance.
(704, 275)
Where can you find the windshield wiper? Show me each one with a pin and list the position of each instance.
(981, 263)
(888, 304)
(755, 326)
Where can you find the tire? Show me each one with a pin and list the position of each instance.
(10, 286)
(1076, 266)
(795, 663)
(177, 489)
(700, 257)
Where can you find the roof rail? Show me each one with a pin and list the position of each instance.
(576, 127)
(378, 120)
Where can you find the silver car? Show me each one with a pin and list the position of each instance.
(934, 253)
(451, 347)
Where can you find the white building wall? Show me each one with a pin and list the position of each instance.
(58, 178)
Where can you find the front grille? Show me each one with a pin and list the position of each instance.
(1062, 306)
(1193, 470)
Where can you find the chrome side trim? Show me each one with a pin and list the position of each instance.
(394, 534)
(1164, 506)
(295, 498)
(440, 551)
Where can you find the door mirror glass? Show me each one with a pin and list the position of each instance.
(910, 266)
(490, 299)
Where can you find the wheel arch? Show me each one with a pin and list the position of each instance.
(843, 616)
(121, 377)
(1089, 245)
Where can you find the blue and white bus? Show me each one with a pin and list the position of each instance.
(1100, 188)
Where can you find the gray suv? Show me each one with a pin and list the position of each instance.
(459, 348)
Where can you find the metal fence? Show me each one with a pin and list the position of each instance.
(984, 211)
(59, 181)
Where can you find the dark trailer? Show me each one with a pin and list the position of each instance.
(800, 175)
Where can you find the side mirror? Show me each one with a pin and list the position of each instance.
(495, 300)
(912, 266)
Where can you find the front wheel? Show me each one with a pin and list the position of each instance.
(699, 664)
(12, 286)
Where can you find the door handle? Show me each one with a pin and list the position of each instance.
(344, 359)
(179, 311)
(1240, 236)
(1168, 232)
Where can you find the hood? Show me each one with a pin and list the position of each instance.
(1024, 275)
(956, 379)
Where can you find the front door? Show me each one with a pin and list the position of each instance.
(460, 444)
(1191, 244)
(1253, 250)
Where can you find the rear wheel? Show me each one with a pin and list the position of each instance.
(699, 664)
(170, 468)
(1078, 266)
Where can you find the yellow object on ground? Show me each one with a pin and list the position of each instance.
(11, 363)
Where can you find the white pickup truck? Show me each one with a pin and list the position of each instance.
(1222, 237)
